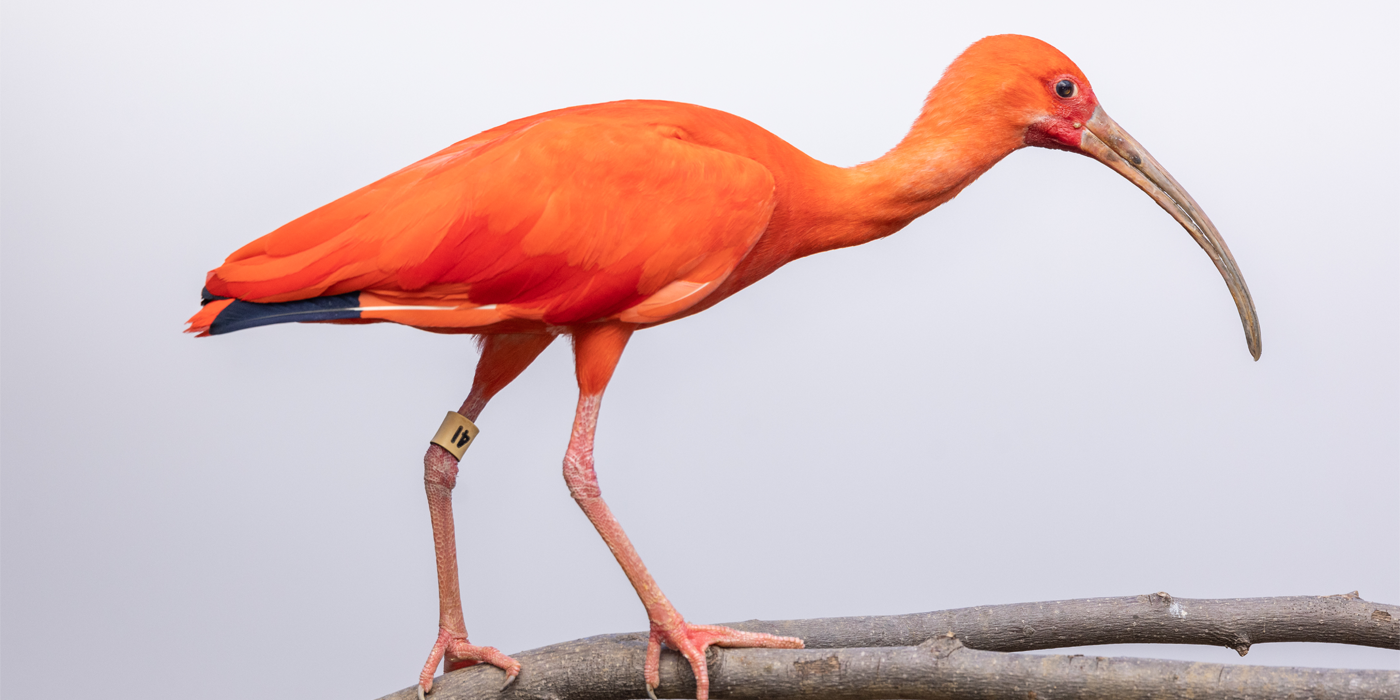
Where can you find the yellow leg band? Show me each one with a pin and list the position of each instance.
(455, 434)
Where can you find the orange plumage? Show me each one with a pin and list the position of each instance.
(584, 214)
(596, 221)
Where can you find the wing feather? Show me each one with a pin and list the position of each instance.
(568, 218)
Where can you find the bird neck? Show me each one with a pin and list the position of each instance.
(955, 139)
(958, 136)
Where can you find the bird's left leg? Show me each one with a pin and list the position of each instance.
(597, 349)
(503, 358)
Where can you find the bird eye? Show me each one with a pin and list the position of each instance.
(1065, 88)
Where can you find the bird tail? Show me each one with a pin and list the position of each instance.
(225, 315)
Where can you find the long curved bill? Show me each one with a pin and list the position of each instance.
(1110, 144)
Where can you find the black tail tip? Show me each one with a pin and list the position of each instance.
(206, 296)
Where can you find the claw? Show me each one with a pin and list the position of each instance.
(510, 678)
(692, 641)
(420, 692)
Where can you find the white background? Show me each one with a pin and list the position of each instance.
(1038, 391)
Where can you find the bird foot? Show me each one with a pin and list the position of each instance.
(692, 641)
(460, 654)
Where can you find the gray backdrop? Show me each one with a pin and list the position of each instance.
(1038, 391)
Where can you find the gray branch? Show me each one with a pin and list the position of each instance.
(962, 653)
(1157, 618)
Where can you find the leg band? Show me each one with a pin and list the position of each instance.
(455, 434)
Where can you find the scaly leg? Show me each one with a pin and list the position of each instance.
(503, 358)
(597, 349)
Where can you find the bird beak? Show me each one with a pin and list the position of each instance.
(1104, 140)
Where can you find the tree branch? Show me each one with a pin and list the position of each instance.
(1157, 618)
(916, 657)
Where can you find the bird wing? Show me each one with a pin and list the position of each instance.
(567, 217)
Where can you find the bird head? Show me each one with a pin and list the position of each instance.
(1029, 94)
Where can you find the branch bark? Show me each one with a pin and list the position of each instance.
(962, 653)
(1157, 618)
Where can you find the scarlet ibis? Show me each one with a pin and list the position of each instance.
(598, 220)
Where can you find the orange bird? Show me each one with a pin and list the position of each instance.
(599, 220)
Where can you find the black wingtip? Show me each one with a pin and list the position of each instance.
(248, 314)
(206, 296)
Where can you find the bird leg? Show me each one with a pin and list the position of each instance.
(503, 358)
(597, 350)
(439, 476)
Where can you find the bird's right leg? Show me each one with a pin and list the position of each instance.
(503, 358)
(597, 348)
